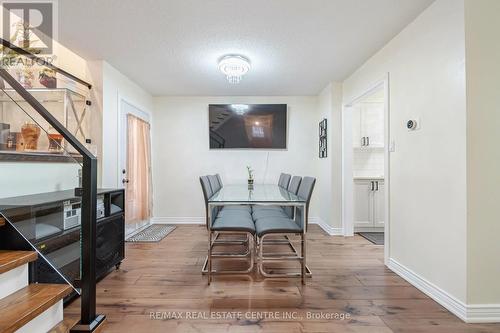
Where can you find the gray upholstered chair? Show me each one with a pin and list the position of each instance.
(226, 221)
(268, 211)
(284, 180)
(284, 225)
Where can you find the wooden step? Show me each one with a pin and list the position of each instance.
(65, 325)
(26, 304)
(12, 259)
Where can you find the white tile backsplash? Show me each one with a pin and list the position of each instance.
(368, 163)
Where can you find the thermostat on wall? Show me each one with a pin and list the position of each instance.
(413, 124)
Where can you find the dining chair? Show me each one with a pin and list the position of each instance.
(268, 211)
(284, 180)
(220, 222)
(286, 226)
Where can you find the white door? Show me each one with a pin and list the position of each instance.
(363, 203)
(379, 204)
(132, 174)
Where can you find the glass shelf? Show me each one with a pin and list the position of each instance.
(68, 107)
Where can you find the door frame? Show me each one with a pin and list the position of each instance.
(140, 113)
(347, 173)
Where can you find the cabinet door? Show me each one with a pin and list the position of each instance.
(379, 205)
(363, 203)
(356, 126)
(372, 118)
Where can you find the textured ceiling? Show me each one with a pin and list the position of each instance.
(171, 47)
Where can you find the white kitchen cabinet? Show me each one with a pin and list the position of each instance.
(368, 125)
(363, 203)
(369, 206)
(379, 204)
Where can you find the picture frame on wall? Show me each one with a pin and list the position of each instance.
(323, 146)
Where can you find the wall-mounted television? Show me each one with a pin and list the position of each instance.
(247, 126)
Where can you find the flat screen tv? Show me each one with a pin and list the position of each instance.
(247, 126)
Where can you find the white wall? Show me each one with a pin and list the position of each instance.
(181, 151)
(482, 29)
(428, 168)
(115, 85)
(329, 169)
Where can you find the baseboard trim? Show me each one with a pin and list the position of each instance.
(476, 313)
(201, 220)
(178, 220)
(326, 227)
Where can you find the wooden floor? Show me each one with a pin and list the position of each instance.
(159, 288)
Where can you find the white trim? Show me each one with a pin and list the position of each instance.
(201, 220)
(178, 220)
(475, 313)
(483, 313)
(452, 304)
(326, 227)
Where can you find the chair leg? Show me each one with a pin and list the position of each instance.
(303, 260)
(209, 273)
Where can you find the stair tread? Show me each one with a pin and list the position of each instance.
(12, 259)
(65, 325)
(26, 304)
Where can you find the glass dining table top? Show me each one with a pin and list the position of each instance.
(260, 193)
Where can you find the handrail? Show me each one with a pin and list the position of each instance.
(43, 62)
(89, 320)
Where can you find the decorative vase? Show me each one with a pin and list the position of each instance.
(55, 141)
(30, 133)
(250, 184)
(48, 79)
(25, 77)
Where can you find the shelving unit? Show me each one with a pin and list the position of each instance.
(67, 106)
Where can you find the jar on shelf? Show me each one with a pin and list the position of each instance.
(30, 132)
(55, 141)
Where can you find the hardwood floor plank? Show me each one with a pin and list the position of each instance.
(349, 279)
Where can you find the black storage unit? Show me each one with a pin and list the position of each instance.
(60, 245)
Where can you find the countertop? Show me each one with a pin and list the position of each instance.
(44, 198)
(369, 178)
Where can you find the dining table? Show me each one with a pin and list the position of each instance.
(260, 195)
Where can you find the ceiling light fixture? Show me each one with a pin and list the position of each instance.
(240, 109)
(234, 67)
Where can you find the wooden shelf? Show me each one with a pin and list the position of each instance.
(17, 156)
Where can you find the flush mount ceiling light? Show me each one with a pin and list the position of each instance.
(234, 67)
(240, 109)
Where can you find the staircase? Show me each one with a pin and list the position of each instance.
(27, 307)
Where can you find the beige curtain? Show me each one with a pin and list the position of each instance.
(139, 188)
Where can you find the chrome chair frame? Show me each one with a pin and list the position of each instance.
(279, 256)
(207, 267)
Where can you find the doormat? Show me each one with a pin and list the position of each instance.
(376, 238)
(153, 233)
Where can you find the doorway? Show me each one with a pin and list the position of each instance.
(365, 159)
(135, 166)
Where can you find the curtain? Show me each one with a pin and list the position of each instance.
(139, 188)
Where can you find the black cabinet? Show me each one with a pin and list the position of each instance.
(110, 244)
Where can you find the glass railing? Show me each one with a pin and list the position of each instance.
(40, 173)
(48, 178)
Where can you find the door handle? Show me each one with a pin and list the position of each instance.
(125, 180)
(373, 186)
(376, 189)
(362, 141)
(367, 140)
